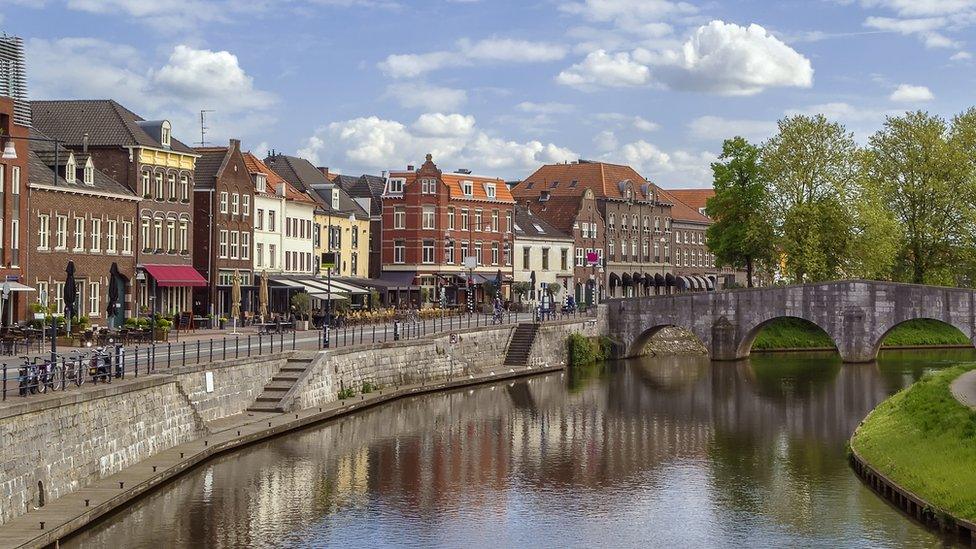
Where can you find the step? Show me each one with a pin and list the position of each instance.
(296, 369)
(275, 398)
(280, 385)
(264, 408)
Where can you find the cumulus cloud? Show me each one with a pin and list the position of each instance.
(927, 29)
(373, 144)
(719, 57)
(677, 167)
(206, 76)
(468, 52)
(420, 95)
(605, 141)
(718, 128)
(907, 93)
(931, 21)
(545, 108)
(626, 121)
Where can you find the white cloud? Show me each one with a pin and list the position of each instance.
(644, 125)
(920, 8)
(373, 144)
(600, 68)
(719, 57)
(927, 29)
(961, 56)
(931, 21)
(626, 121)
(907, 93)
(545, 108)
(605, 141)
(628, 13)
(489, 50)
(718, 128)
(420, 95)
(443, 125)
(209, 78)
(676, 168)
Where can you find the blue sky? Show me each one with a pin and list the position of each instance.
(501, 86)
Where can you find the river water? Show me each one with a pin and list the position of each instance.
(660, 452)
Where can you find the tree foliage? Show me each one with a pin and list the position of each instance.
(742, 233)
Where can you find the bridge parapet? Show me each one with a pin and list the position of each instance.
(856, 314)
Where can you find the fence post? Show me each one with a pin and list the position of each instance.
(137, 362)
(4, 381)
(249, 345)
(260, 352)
(293, 344)
(184, 352)
(211, 349)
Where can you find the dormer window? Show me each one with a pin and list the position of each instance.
(467, 187)
(394, 185)
(165, 133)
(70, 169)
(490, 190)
(261, 182)
(544, 196)
(335, 199)
(89, 176)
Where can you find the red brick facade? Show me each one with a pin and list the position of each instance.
(13, 197)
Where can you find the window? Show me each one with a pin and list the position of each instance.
(145, 184)
(579, 257)
(111, 237)
(395, 185)
(508, 222)
(657, 253)
(272, 256)
(399, 217)
(399, 251)
(88, 176)
(70, 170)
(428, 186)
(526, 256)
(235, 204)
(354, 263)
(14, 242)
(223, 202)
(450, 219)
(464, 220)
(644, 251)
(647, 224)
(259, 254)
(478, 253)
(159, 186)
(165, 134)
(610, 251)
(623, 250)
(246, 204)
(667, 252)
(449, 252)
(657, 223)
(171, 236)
(44, 231)
(93, 291)
(14, 180)
(96, 235)
(545, 259)
(633, 250)
(158, 234)
(184, 188)
(428, 251)
(467, 187)
(271, 220)
(623, 222)
(635, 223)
(222, 249)
(184, 233)
(234, 236)
(144, 235)
(490, 190)
(494, 221)
(494, 253)
(260, 182)
(259, 219)
(172, 186)
(610, 221)
(245, 245)
(507, 254)
(563, 259)
(127, 237)
(428, 217)
(287, 260)
(477, 221)
(79, 234)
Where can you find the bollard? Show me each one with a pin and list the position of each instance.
(169, 363)
(237, 346)
(154, 468)
(206, 443)
(184, 352)
(42, 525)
(211, 349)
(121, 486)
(87, 502)
(238, 433)
(181, 455)
(248, 345)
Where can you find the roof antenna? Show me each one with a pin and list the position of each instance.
(203, 127)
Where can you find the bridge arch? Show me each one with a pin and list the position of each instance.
(749, 334)
(640, 342)
(884, 331)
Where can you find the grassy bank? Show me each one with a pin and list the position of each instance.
(794, 333)
(925, 440)
(584, 350)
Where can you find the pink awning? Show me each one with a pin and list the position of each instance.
(175, 275)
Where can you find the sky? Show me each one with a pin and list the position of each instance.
(501, 87)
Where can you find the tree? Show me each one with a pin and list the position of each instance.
(922, 173)
(741, 234)
(521, 289)
(810, 166)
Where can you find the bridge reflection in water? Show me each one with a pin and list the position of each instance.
(656, 451)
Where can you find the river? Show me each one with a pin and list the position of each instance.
(661, 452)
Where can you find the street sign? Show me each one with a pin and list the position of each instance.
(592, 258)
(470, 262)
(328, 260)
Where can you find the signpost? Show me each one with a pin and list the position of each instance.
(470, 262)
(328, 262)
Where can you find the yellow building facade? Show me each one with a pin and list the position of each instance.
(349, 238)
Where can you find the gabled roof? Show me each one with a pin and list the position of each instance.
(256, 166)
(683, 212)
(454, 180)
(602, 178)
(695, 198)
(364, 186)
(347, 206)
(530, 225)
(209, 164)
(297, 171)
(559, 211)
(106, 122)
(40, 170)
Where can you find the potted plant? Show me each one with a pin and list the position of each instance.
(223, 322)
(302, 305)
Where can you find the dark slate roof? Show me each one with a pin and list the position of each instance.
(559, 211)
(297, 171)
(207, 166)
(41, 162)
(106, 122)
(530, 225)
(347, 205)
(364, 186)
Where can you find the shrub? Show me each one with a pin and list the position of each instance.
(584, 350)
(347, 393)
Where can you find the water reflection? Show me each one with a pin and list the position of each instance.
(662, 452)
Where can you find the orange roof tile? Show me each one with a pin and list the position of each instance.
(254, 165)
(558, 179)
(696, 198)
(681, 211)
(453, 183)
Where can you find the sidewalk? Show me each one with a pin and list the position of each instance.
(964, 389)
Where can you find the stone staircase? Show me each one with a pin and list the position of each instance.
(520, 345)
(281, 383)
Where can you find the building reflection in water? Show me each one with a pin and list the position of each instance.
(680, 451)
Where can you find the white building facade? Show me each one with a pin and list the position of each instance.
(544, 257)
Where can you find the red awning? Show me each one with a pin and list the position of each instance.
(175, 275)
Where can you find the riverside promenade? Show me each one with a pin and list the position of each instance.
(964, 389)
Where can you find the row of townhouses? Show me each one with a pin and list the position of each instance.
(152, 224)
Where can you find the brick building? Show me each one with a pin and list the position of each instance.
(223, 195)
(637, 219)
(14, 172)
(84, 216)
(692, 256)
(579, 215)
(432, 220)
(143, 156)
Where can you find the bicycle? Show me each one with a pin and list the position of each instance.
(46, 376)
(71, 371)
(27, 376)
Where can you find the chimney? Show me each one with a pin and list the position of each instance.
(235, 144)
(280, 189)
(84, 143)
(409, 167)
(325, 172)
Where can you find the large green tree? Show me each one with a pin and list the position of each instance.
(811, 168)
(922, 171)
(741, 235)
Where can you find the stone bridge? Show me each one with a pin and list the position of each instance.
(856, 314)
